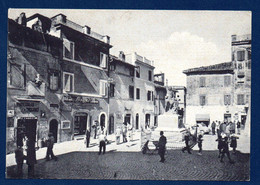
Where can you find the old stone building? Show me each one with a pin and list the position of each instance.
(33, 85)
(84, 78)
(122, 93)
(144, 89)
(222, 91)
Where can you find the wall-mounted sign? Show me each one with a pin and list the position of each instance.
(65, 124)
(80, 99)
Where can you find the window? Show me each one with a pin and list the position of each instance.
(202, 81)
(138, 93)
(112, 67)
(227, 81)
(227, 99)
(149, 94)
(138, 71)
(103, 88)
(240, 99)
(202, 100)
(17, 75)
(150, 75)
(249, 55)
(131, 92)
(68, 49)
(65, 124)
(112, 90)
(152, 96)
(68, 82)
(132, 72)
(103, 60)
(240, 55)
(54, 79)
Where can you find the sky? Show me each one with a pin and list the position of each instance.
(174, 40)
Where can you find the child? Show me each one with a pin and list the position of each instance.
(233, 143)
(200, 144)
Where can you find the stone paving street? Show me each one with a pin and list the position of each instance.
(82, 163)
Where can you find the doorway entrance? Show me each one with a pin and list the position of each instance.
(53, 128)
(80, 123)
(111, 125)
(127, 119)
(227, 117)
(26, 127)
(102, 120)
(147, 120)
(137, 121)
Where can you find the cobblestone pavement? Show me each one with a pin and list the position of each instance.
(136, 166)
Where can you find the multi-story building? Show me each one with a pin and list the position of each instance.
(84, 76)
(122, 93)
(57, 78)
(222, 91)
(33, 82)
(144, 88)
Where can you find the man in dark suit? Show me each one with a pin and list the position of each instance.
(87, 138)
(161, 146)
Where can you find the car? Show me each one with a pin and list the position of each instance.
(203, 128)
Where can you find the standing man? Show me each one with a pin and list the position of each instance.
(31, 156)
(161, 146)
(102, 142)
(118, 134)
(225, 150)
(187, 139)
(238, 127)
(50, 143)
(87, 137)
(213, 126)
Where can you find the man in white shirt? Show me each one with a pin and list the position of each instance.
(102, 143)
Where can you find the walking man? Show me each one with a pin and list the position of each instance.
(31, 157)
(50, 143)
(161, 146)
(225, 150)
(102, 142)
(19, 157)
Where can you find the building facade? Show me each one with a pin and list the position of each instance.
(144, 90)
(222, 91)
(33, 88)
(57, 79)
(84, 100)
(122, 93)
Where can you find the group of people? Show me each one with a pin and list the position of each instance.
(226, 127)
(126, 131)
(26, 151)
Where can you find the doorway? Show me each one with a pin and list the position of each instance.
(26, 127)
(127, 119)
(111, 125)
(147, 120)
(102, 120)
(80, 123)
(53, 128)
(227, 117)
(137, 121)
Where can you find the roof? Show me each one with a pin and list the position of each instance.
(114, 58)
(226, 67)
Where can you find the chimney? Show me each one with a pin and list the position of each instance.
(122, 55)
(22, 19)
(86, 30)
(107, 39)
(61, 18)
(233, 38)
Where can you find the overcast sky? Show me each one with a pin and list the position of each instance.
(174, 40)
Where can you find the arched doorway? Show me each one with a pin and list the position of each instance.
(102, 120)
(137, 121)
(147, 120)
(111, 125)
(53, 128)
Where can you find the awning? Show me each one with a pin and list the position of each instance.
(202, 117)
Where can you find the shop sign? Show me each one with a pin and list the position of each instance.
(80, 99)
(29, 106)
